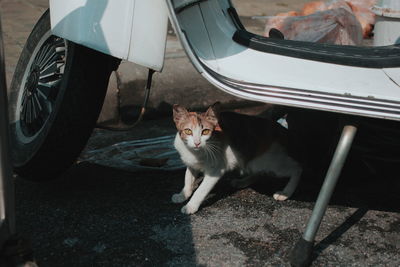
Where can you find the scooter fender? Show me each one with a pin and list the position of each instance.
(133, 30)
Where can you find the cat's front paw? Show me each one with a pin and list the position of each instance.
(189, 209)
(280, 196)
(178, 198)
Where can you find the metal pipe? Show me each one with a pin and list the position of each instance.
(142, 109)
(331, 178)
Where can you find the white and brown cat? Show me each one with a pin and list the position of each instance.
(213, 142)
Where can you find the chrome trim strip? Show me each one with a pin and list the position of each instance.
(309, 99)
(323, 98)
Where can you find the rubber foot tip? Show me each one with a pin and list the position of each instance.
(301, 253)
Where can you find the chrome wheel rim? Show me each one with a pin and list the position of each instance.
(40, 87)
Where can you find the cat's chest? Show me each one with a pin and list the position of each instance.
(191, 159)
(202, 159)
(188, 157)
(223, 161)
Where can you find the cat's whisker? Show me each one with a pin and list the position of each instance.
(212, 153)
(214, 149)
(208, 153)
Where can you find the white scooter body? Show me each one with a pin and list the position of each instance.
(136, 31)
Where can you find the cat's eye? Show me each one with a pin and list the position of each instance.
(205, 132)
(188, 131)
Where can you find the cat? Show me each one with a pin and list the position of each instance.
(213, 142)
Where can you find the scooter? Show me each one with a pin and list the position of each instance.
(61, 78)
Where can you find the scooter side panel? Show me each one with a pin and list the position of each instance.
(284, 80)
(102, 25)
(393, 74)
(134, 30)
(149, 34)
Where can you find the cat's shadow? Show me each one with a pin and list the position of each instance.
(266, 185)
(356, 187)
(222, 190)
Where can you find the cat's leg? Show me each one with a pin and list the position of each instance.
(190, 176)
(200, 194)
(291, 186)
(246, 181)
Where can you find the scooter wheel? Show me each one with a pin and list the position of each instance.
(55, 97)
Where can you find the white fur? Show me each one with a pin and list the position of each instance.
(214, 163)
(277, 161)
(220, 161)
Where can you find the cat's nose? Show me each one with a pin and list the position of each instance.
(197, 144)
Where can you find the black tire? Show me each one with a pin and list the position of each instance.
(55, 97)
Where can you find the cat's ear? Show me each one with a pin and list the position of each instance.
(179, 113)
(216, 107)
(212, 113)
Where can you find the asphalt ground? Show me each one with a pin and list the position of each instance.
(103, 216)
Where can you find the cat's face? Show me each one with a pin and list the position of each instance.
(195, 129)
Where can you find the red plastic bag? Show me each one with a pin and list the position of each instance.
(335, 26)
(343, 22)
(362, 11)
(360, 8)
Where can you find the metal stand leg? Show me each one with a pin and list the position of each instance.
(301, 253)
(14, 250)
(7, 217)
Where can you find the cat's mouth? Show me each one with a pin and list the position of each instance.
(197, 148)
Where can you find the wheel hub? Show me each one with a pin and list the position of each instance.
(41, 88)
(33, 80)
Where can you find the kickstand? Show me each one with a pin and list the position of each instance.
(142, 109)
(301, 254)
